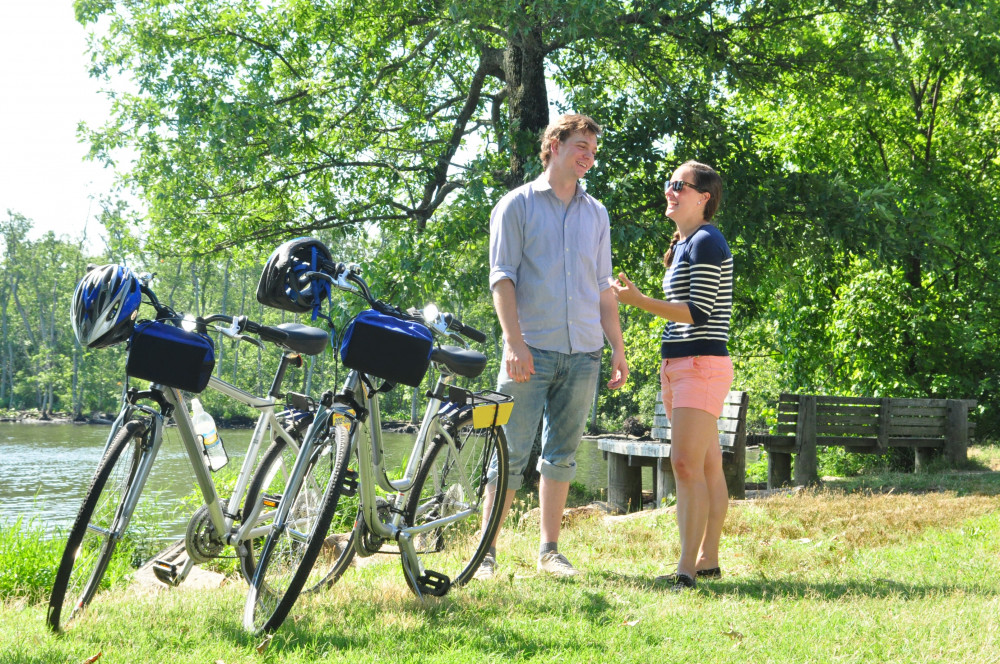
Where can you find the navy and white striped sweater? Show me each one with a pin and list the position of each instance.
(702, 276)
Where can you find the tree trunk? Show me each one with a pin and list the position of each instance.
(527, 99)
(225, 298)
(4, 345)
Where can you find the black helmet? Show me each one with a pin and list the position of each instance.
(105, 305)
(279, 285)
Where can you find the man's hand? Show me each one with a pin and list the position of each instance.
(518, 362)
(619, 370)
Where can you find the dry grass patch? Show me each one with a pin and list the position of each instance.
(825, 530)
(870, 520)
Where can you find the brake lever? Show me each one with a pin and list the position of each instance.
(233, 332)
(250, 340)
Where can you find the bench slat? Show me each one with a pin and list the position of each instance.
(916, 421)
(912, 411)
(823, 407)
(827, 400)
(833, 430)
(834, 420)
(652, 449)
(930, 403)
(924, 430)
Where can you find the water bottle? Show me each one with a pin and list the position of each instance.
(204, 428)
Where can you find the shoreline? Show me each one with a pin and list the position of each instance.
(106, 419)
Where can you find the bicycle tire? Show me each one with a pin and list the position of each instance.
(89, 548)
(457, 549)
(270, 478)
(285, 560)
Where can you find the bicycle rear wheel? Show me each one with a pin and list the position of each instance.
(98, 528)
(284, 561)
(269, 481)
(452, 480)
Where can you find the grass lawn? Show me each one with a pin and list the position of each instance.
(880, 568)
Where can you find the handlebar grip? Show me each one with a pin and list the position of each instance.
(272, 334)
(473, 333)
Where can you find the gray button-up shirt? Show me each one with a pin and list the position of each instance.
(559, 258)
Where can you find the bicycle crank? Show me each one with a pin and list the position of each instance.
(367, 543)
(201, 540)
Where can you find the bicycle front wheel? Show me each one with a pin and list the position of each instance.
(452, 481)
(284, 561)
(269, 482)
(90, 548)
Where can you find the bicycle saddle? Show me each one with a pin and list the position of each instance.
(462, 361)
(304, 338)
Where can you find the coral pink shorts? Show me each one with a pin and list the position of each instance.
(696, 381)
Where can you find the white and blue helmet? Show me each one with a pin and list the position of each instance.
(105, 306)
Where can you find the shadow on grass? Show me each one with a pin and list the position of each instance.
(771, 589)
(961, 482)
(399, 629)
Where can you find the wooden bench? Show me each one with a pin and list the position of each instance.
(627, 458)
(862, 424)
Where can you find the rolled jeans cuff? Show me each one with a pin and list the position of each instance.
(556, 473)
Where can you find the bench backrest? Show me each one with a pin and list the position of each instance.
(732, 424)
(863, 421)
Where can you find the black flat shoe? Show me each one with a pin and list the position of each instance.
(676, 581)
(683, 582)
(712, 573)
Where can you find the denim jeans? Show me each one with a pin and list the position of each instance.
(562, 390)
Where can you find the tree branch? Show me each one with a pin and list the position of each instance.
(437, 188)
(264, 47)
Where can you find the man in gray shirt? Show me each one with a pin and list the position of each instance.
(550, 273)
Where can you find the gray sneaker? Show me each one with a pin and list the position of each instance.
(556, 564)
(487, 568)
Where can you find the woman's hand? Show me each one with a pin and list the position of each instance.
(626, 291)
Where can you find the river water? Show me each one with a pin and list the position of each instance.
(45, 470)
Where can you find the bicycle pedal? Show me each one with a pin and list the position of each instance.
(165, 572)
(434, 583)
(350, 485)
(270, 500)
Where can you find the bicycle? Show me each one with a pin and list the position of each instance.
(136, 436)
(433, 512)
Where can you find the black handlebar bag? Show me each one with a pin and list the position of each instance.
(386, 347)
(166, 354)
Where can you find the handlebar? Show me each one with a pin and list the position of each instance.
(347, 277)
(240, 324)
(445, 323)
(237, 324)
(342, 276)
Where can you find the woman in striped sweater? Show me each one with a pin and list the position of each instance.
(696, 371)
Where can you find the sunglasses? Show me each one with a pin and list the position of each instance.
(678, 185)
